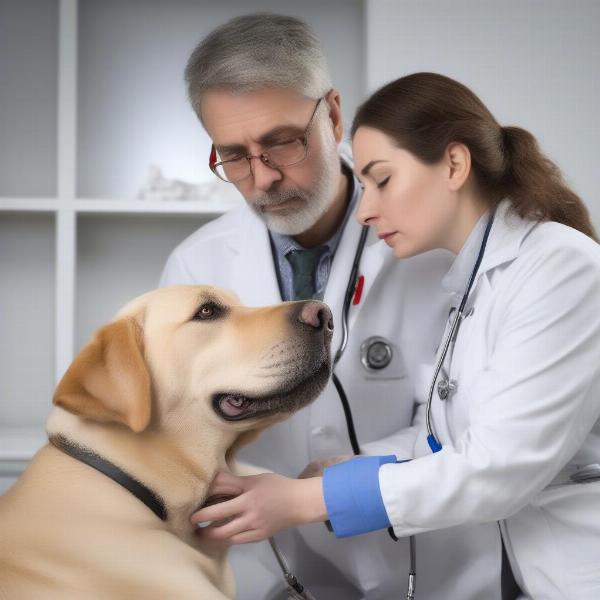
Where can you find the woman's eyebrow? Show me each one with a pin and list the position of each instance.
(367, 167)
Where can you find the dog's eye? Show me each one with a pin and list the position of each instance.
(206, 311)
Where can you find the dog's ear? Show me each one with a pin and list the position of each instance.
(109, 380)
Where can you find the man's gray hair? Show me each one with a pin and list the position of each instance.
(257, 51)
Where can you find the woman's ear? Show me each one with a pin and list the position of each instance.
(458, 161)
(108, 380)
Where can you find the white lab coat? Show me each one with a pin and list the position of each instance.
(524, 415)
(402, 302)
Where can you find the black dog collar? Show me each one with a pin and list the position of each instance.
(90, 458)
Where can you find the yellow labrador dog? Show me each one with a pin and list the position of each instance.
(146, 414)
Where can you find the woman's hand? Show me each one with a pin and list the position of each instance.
(264, 504)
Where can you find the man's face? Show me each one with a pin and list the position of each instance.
(289, 199)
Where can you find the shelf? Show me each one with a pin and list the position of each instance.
(169, 207)
(121, 206)
(28, 204)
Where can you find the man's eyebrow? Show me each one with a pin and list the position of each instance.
(281, 133)
(367, 167)
(277, 134)
(232, 149)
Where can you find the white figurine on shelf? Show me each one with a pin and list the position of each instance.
(159, 187)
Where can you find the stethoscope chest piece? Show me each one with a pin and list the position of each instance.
(376, 353)
(445, 388)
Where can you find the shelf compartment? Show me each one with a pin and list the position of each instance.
(28, 97)
(27, 310)
(120, 257)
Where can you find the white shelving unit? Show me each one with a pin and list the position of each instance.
(95, 96)
(59, 228)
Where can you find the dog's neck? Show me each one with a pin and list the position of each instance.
(179, 473)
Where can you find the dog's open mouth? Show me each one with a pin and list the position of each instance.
(236, 406)
(233, 405)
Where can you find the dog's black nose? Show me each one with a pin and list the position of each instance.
(316, 314)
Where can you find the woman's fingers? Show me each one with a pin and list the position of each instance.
(218, 512)
(227, 483)
(225, 532)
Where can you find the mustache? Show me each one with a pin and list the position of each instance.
(275, 197)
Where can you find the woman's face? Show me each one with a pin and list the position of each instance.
(408, 201)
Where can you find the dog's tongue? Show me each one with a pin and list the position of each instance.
(233, 406)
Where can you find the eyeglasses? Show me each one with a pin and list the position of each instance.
(282, 154)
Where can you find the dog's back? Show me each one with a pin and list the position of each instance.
(66, 530)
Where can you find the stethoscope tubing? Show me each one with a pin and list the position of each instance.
(432, 440)
(352, 279)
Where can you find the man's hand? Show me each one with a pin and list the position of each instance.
(316, 468)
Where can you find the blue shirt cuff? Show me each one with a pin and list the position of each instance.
(352, 495)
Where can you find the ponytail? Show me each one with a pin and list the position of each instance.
(535, 186)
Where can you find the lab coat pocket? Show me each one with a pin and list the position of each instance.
(381, 405)
(571, 516)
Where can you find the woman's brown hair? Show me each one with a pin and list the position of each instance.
(425, 112)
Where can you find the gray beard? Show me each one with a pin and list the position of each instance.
(314, 202)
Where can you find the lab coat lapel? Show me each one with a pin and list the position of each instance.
(508, 233)
(253, 272)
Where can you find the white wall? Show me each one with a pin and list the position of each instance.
(535, 63)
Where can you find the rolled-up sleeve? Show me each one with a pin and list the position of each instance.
(352, 495)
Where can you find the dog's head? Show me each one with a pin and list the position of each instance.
(182, 355)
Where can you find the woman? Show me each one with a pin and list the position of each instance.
(514, 429)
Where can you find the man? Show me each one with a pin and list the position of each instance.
(261, 88)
